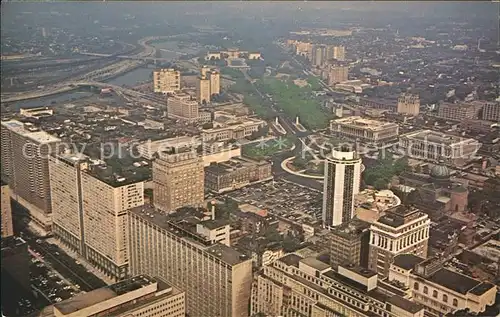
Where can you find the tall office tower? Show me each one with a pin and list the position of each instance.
(140, 295)
(491, 111)
(178, 181)
(89, 212)
(203, 90)
(342, 181)
(24, 154)
(337, 73)
(166, 80)
(214, 82)
(409, 104)
(318, 55)
(15, 266)
(7, 229)
(402, 229)
(339, 53)
(183, 249)
(307, 286)
(181, 106)
(349, 243)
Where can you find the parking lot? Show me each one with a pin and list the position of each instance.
(50, 283)
(288, 200)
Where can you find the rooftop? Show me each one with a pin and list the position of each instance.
(34, 134)
(352, 229)
(231, 165)
(454, 281)
(103, 294)
(315, 263)
(291, 259)
(183, 223)
(407, 261)
(435, 137)
(399, 215)
(368, 124)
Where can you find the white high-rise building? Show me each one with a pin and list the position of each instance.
(342, 181)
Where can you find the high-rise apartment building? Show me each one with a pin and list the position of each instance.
(203, 90)
(89, 213)
(7, 229)
(337, 73)
(214, 82)
(140, 295)
(342, 182)
(307, 286)
(184, 249)
(491, 111)
(25, 165)
(178, 181)
(408, 104)
(205, 70)
(402, 229)
(166, 81)
(181, 106)
(339, 53)
(318, 55)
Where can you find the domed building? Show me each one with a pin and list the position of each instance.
(436, 192)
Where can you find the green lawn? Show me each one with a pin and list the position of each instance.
(296, 101)
(262, 150)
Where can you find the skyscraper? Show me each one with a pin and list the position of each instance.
(7, 229)
(178, 180)
(184, 249)
(214, 82)
(318, 55)
(401, 230)
(89, 213)
(339, 53)
(166, 80)
(203, 89)
(342, 181)
(24, 155)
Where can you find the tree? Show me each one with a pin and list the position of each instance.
(380, 184)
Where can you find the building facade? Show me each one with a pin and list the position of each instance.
(342, 182)
(408, 104)
(437, 146)
(214, 82)
(235, 128)
(297, 286)
(365, 130)
(24, 158)
(440, 290)
(89, 214)
(349, 244)
(491, 111)
(178, 181)
(7, 228)
(458, 111)
(401, 230)
(236, 173)
(203, 90)
(182, 107)
(140, 295)
(216, 278)
(166, 81)
(337, 74)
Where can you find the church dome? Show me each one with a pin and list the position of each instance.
(440, 172)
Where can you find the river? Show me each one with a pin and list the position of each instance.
(130, 79)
